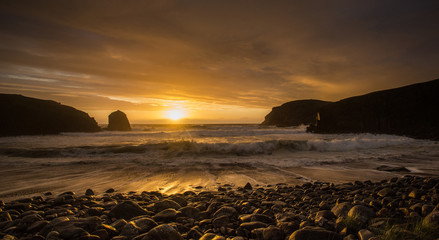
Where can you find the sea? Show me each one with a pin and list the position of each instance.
(158, 148)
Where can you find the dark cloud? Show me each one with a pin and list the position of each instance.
(248, 54)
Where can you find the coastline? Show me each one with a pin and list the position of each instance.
(24, 181)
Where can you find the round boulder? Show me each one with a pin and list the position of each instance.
(361, 213)
(314, 233)
(163, 232)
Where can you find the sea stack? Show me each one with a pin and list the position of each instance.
(118, 121)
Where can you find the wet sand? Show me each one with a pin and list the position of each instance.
(23, 181)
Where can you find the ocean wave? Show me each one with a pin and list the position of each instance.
(179, 148)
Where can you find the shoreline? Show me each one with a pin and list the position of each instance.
(24, 181)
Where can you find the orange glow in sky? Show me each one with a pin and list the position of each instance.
(211, 61)
(175, 114)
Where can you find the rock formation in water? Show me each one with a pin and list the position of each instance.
(294, 113)
(411, 111)
(118, 121)
(30, 116)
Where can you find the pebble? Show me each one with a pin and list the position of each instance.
(318, 210)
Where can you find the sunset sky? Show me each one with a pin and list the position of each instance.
(212, 61)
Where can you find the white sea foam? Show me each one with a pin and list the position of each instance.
(248, 144)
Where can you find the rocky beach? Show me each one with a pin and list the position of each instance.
(144, 120)
(397, 208)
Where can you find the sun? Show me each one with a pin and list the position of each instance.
(175, 114)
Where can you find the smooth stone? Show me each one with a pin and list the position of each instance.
(325, 214)
(89, 192)
(194, 234)
(102, 234)
(163, 232)
(256, 217)
(386, 192)
(110, 190)
(95, 211)
(431, 219)
(165, 204)
(341, 209)
(118, 224)
(9, 237)
(72, 233)
(190, 212)
(248, 186)
(127, 210)
(5, 216)
(426, 209)
(222, 221)
(145, 224)
(415, 194)
(119, 238)
(181, 201)
(361, 213)
(272, 233)
(109, 229)
(37, 226)
(314, 233)
(166, 215)
(253, 225)
(130, 230)
(53, 235)
(225, 211)
(365, 234)
(211, 236)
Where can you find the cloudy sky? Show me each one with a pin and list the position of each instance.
(216, 61)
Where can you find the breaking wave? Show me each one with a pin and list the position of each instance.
(179, 148)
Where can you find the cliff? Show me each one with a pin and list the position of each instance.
(30, 116)
(294, 113)
(411, 111)
(118, 121)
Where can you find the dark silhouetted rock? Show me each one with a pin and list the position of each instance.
(89, 192)
(30, 116)
(211, 236)
(361, 213)
(248, 186)
(341, 209)
(294, 113)
(311, 233)
(432, 218)
(118, 121)
(163, 232)
(409, 111)
(127, 210)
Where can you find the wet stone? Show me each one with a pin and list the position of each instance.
(89, 192)
(225, 211)
(248, 186)
(166, 215)
(361, 213)
(165, 204)
(211, 236)
(253, 225)
(163, 232)
(127, 210)
(314, 233)
(110, 190)
(190, 212)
